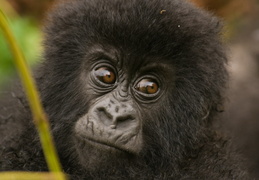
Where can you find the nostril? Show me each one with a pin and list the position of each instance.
(103, 113)
(124, 118)
(117, 109)
(100, 109)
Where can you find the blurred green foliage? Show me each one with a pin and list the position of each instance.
(39, 116)
(28, 36)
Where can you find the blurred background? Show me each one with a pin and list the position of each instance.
(241, 33)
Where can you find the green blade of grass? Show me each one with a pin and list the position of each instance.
(38, 113)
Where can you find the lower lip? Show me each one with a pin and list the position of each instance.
(104, 145)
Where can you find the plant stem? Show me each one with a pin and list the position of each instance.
(38, 114)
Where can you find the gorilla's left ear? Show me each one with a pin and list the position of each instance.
(206, 114)
(220, 108)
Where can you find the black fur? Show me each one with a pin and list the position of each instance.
(178, 139)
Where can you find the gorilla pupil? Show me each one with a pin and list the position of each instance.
(105, 75)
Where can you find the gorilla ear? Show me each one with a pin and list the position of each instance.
(220, 108)
(206, 114)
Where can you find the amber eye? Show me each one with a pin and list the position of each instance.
(105, 75)
(147, 86)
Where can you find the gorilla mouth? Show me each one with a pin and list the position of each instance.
(106, 144)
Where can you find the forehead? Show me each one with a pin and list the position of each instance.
(124, 59)
(150, 28)
(138, 31)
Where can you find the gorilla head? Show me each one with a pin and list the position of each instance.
(131, 88)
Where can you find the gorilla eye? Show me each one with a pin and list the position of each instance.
(105, 75)
(147, 86)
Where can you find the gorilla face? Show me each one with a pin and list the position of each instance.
(131, 83)
(125, 95)
(113, 119)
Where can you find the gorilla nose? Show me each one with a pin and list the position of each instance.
(117, 116)
(121, 119)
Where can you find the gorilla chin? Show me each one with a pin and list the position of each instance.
(94, 154)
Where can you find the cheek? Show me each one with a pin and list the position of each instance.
(158, 120)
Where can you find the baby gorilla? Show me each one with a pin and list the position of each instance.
(131, 88)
